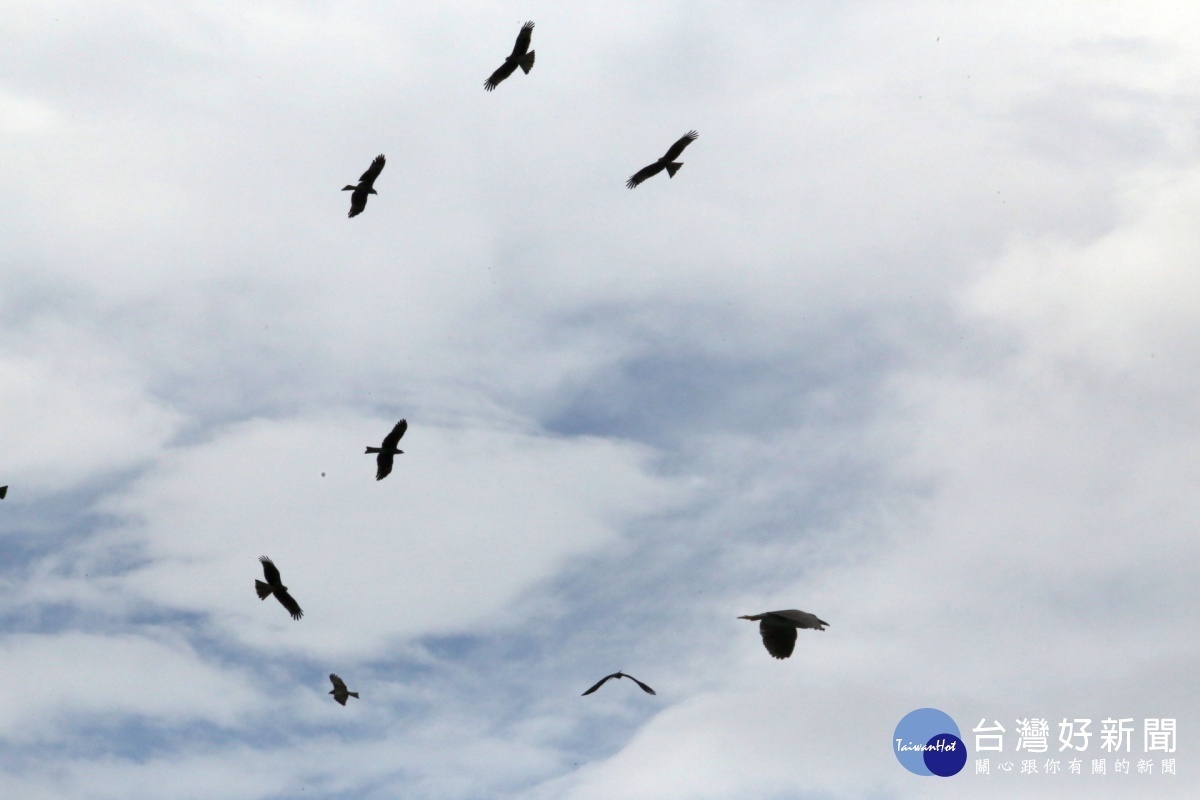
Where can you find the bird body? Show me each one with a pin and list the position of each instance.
(366, 186)
(388, 451)
(667, 162)
(274, 586)
(605, 679)
(339, 690)
(778, 629)
(521, 56)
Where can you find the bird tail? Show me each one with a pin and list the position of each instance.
(372, 450)
(353, 694)
(263, 589)
(673, 167)
(527, 62)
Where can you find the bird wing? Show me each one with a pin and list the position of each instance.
(780, 640)
(358, 202)
(338, 684)
(368, 177)
(383, 464)
(270, 571)
(3, 492)
(392, 439)
(506, 69)
(803, 619)
(644, 173)
(598, 685)
(677, 148)
(289, 603)
(645, 688)
(522, 44)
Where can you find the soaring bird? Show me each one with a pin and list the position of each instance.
(645, 688)
(3, 492)
(387, 451)
(778, 629)
(339, 691)
(274, 586)
(366, 186)
(521, 57)
(667, 162)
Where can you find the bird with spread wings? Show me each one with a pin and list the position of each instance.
(339, 690)
(366, 186)
(605, 679)
(778, 629)
(387, 450)
(274, 586)
(667, 162)
(521, 56)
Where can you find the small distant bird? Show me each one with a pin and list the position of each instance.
(366, 186)
(778, 629)
(339, 691)
(274, 586)
(645, 688)
(3, 492)
(387, 451)
(521, 57)
(667, 162)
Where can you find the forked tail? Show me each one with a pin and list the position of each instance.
(263, 589)
(673, 167)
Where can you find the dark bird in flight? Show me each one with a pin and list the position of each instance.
(3, 492)
(521, 57)
(387, 451)
(778, 629)
(645, 688)
(667, 162)
(274, 586)
(339, 691)
(366, 186)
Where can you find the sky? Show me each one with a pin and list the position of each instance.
(910, 342)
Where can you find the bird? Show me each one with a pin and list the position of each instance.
(274, 586)
(3, 492)
(667, 162)
(339, 691)
(521, 57)
(778, 629)
(387, 450)
(645, 688)
(366, 186)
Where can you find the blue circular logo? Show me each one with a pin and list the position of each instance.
(927, 742)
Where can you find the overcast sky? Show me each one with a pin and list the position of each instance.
(911, 342)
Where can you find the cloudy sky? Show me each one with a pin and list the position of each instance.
(911, 342)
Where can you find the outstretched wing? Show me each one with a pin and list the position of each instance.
(270, 571)
(677, 148)
(523, 38)
(338, 684)
(506, 69)
(383, 464)
(780, 640)
(368, 177)
(3, 492)
(645, 688)
(358, 202)
(644, 173)
(392, 439)
(598, 685)
(290, 604)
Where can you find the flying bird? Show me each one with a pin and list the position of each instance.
(339, 691)
(521, 57)
(274, 586)
(645, 688)
(366, 186)
(667, 162)
(387, 451)
(778, 629)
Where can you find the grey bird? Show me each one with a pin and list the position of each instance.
(521, 56)
(645, 688)
(274, 586)
(366, 186)
(667, 162)
(339, 691)
(778, 629)
(387, 450)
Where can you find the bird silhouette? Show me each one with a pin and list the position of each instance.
(603, 680)
(521, 56)
(274, 586)
(339, 691)
(387, 450)
(366, 186)
(667, 162)
(778, 629)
